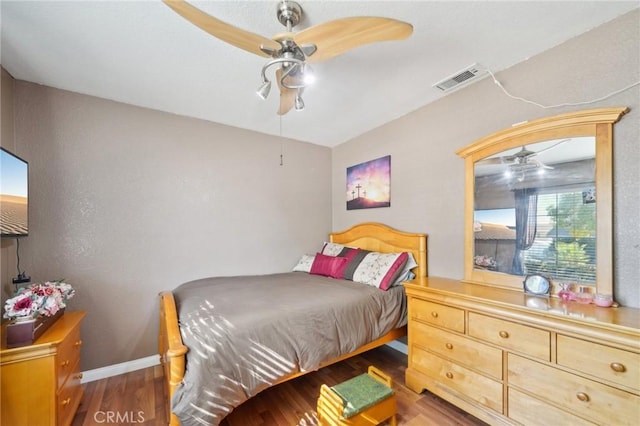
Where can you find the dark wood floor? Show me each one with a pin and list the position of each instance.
(137, 398)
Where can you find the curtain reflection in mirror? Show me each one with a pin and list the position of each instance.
(526, 224)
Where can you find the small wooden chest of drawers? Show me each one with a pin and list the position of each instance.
(488, 352)
(41, 382)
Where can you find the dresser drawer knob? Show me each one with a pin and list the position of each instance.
(617, 367)
(65, 363)
(78, 376)
(449, 375)
(434, 314)
(582, 397)
(503, 334)
(66, 401)
(448, 346)
(78, 343)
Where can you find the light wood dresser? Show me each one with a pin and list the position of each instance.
(511, 358)
(41, 382)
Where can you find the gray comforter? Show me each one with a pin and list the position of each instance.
(245, 333)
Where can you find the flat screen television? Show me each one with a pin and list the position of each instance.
(14, 195)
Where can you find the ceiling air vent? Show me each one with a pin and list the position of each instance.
(460, 78)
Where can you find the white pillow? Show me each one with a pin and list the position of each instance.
(406, 274)
(304, 264)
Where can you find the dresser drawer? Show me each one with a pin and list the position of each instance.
(531, 411)
(69, 396)
(531, 341)
(437, 314)
(68, 355)
(475, 386)
(603, 404)
(615, 365)
(459, 349)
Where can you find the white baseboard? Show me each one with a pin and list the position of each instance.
(399, 346)
(116, 369)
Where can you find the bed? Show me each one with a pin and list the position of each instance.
(217, 351)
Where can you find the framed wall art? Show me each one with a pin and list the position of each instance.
(369, 184)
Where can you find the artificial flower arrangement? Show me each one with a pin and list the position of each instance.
(39, 299)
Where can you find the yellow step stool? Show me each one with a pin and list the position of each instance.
(365, 400)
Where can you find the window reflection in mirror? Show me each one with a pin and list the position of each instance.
(535, 210)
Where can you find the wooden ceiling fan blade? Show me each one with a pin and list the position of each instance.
(235, 36)
(287, 96)
(287, 100)
(334, 38)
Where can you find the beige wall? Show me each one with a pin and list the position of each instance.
(6, 109)
(8, 260)
(427, 177)
(126, 202)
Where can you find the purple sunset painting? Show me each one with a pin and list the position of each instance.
(369, 184)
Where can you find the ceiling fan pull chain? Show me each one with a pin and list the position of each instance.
(281, 147)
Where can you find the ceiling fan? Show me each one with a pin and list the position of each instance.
(522, 159)
(290, 51)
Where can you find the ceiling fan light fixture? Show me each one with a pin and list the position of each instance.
(264, 89)
(308, 76)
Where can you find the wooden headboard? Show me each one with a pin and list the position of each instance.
(378, 237)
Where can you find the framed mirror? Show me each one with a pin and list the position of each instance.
(538, 202)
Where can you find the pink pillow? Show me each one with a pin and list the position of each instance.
(329, 266)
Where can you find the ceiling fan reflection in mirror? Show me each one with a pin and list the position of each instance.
(518, 163)
(290, 51)
(522, 157)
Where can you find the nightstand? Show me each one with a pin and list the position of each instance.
(41, 382)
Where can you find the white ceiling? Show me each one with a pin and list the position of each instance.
(142, 53)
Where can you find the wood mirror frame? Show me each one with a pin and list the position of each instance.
(596, 123)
